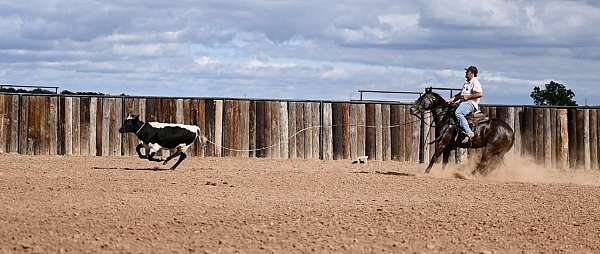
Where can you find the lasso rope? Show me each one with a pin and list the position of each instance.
(300, 131)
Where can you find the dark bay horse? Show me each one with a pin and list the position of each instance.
(494, 136)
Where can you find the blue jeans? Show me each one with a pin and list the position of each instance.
(464, 108)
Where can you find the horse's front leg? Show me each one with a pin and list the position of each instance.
(442, 146)
(446, 157)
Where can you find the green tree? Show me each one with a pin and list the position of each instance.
(555, 94)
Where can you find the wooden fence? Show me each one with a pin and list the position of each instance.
(88, 126)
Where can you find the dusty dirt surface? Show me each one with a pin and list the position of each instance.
(126, 205)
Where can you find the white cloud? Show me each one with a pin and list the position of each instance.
(265, 64)
(299, 49)
(205, 61)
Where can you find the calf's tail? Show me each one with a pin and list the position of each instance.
(201, 137)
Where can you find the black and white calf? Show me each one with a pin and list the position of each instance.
(161, 136)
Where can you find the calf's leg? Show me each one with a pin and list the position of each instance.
(138, 149)
(151, 158)
(182, 157)
(172, 156)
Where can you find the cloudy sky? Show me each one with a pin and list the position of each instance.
(300, 49)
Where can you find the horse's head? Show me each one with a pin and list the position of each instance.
(428, 101)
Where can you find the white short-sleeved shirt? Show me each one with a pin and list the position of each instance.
(471, 87)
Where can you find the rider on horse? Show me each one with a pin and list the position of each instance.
(469, 101)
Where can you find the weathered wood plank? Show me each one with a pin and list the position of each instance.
(260, 129)
(563, 154)
(84, 126)
(547, 138)
(327, 132)
(197, 108)
(179, 109)
(92, 128)
(353, 134)
(210, 108)
(338, 131)
(518, 146)
(292, 130)
(116, 117)
(275, 137)
(361, 129)
(244, 128)
(131, 108)
(308, 142)
(23, 127)
(593, 121)
(300, 125)
(76, 126)
(316, 130)
(268, 130)
(107, 108)
(580, 139)
(31, 127)
(68, 129)
(597, 125)
(13, 120)
(395, 136)
(416, 133)
(586, 139)
(283, 131)
(539, 135)
(252, 121)
(42, 146)
(378, 133)
(572, 135)
(371, 131)
(229, 128)
(4, 121)
(345, 114)
(554, 134)
(99, 126)
(408, 126)
(218, 127)
(53, 125)
(385, 132)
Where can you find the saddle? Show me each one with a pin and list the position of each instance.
(477, 117)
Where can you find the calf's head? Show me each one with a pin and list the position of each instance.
(132, 124)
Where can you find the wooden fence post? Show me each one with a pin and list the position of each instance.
(586, 139)
(563, 125)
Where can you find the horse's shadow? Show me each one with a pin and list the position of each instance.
(133, 169)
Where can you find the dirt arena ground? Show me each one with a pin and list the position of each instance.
(126, 205)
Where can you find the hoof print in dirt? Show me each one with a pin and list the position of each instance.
(361, 160)
(211, 183)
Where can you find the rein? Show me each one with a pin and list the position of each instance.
(140, 128)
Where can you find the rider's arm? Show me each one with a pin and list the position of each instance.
(475, 95)
(455, 98)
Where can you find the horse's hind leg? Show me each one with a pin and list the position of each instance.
(490, 160)
(483, 163)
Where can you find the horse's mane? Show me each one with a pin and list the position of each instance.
(437, 97)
